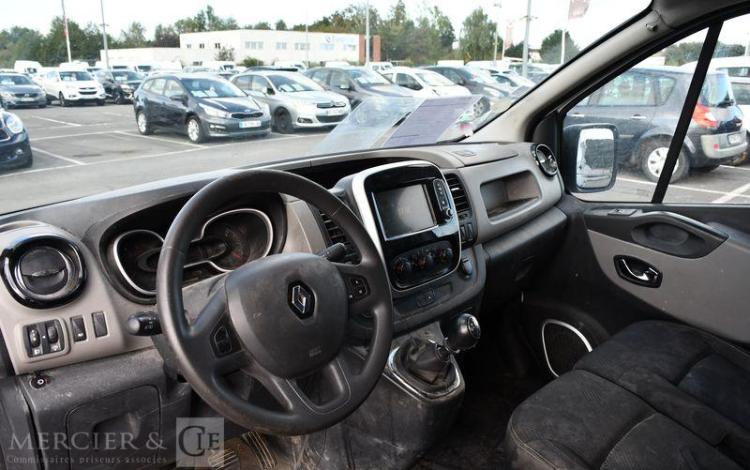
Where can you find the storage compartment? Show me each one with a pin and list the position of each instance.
(509, 192)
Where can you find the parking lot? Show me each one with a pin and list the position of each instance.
(85, 150)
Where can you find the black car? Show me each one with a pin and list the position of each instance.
(356, 83)
(15, 150)
(119, 85)
(644, 104)
(200, 105)
(17, 90)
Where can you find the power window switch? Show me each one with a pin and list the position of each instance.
(79, 328)
(33, 333)
(36, 351)
(100, 324)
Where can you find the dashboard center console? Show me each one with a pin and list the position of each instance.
(408, 210)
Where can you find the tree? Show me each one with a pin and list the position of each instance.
(166, 36)
(19, 43)
(729, 50)
(134, 36)
(444, 27)
(478, 39)
(251, 62)
(281, 25)
(85, 43)
(225, 53)
(550, 50)
(678, 54)
(205, 20)
(264, 25)
(515, 50)
(397, 33)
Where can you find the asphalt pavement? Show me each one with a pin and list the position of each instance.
(85, 150)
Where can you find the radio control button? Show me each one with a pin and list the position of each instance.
(402, 266)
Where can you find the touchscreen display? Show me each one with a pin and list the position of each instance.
(404, 210)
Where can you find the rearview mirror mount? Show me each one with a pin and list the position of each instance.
(589, 157)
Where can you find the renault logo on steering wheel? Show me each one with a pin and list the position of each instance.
(301, 300)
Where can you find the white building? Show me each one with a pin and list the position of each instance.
(271, 46)
(142, 55)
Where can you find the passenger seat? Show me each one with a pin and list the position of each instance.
(656, 395)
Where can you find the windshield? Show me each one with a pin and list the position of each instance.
(367, 78)
(9, 80)
(126, 75)
(741, 92)
(208, 88)
(717, 90)
(75, 76)
(86, 139)
(433, 79)
(293, 84)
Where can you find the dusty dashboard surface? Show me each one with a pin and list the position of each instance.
(74, 272)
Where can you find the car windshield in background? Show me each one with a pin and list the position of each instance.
(717, 90)
(367, 78)
(9, 80)
(208, 88)
(126, 75)
(292, 84)
(75, 76)
(433, 79)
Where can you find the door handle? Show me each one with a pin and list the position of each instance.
(637, 271)
(638, 117)
(576, 115)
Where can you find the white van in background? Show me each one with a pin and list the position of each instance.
(219, 65)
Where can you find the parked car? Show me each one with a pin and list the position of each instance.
(31, 68)
(424, 82)
(200, 105)
(356, 83)
(534, 72)
(741, 91)
(15, 150)
(290, 64)
(476, 82)
(644, 104)
(72, 86)
(119, 85)
(295, 100)
(380, 67)
(18, 90)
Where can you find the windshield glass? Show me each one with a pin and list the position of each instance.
(366, 77)
(433, 79)
(717, 90)
(126, 75)
(75, 76)
(208, 88)
(8, 80)
(87, 138)
(293, 84)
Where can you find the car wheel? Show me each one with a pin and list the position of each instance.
(49, 99)
(283, 122)
(119, 99)
(63, 102)
(653, 154)
(100, 102)
(42, 106)
(194, 130)
(144, 127)
(739, 159)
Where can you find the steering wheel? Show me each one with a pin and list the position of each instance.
(281, 319)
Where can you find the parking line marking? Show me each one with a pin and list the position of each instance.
(72, 135)
(730, 167)
(133, 134)
(733, 194)
(71, 124)
(686, 188)
(54, 155)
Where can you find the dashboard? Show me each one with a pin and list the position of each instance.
(74, 272)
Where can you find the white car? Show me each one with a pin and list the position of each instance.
(425, 83)
(72, 86)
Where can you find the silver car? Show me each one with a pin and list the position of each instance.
(296, 101)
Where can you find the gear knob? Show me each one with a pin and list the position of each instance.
(461, 333)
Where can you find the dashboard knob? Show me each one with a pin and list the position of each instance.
(402, 266)
(444, 255)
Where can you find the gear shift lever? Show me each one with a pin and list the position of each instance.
(431, 362)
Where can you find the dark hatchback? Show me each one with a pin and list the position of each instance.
(644, 104)
(15, 149)
(17, 90)
(356, 83)
(119, 85)
(200, 105)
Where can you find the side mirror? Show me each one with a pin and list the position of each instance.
(345, 87)
(269, 91)
(589, 157)
(182, 98)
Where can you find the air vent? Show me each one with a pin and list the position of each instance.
(459, 193)
(43, 272)
(336, 235)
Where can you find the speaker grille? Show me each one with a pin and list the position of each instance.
(563, 346)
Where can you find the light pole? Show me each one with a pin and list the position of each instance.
(104, 37)
(65, 27)
(499, 7)
(307, 37)
(367, 33)
(525, 69)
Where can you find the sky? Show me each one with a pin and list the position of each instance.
(547, 15)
